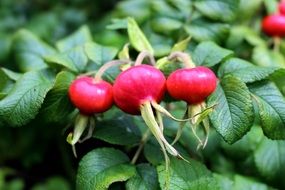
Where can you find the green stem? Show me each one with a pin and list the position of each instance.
(142, 56)
(186, 59)
(102, 70)
(142, 143)
(88, 73)
(276, 44)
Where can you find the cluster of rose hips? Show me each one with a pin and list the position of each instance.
(138, 90)
(274, 25)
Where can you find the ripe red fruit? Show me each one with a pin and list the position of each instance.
(274, 25)
(191, 85)
(281, 7)
(137, 85)
(91, 96)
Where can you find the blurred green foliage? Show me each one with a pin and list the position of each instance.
(39, 35)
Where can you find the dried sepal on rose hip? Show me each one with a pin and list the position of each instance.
(193, 85)
(139, 90)
(90, 95)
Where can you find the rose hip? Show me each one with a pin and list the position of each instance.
(137, 85)
(89, 96)
(274, 25)
(191, 85)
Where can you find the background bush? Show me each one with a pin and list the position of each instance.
(45, 44)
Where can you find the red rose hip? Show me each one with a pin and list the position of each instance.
(91, 96)
(191, 85)
(274, 25)
(281, 7)
(137, 85)
(138, 90)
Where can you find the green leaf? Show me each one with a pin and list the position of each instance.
(137, 37)
(163, 64)
(30, 50)
(240, 33)
(14, 184)
(152, 152)
(271, 6)
(247, 9)
(202, 30)
(223, 10)
(4, 80)
(271, 105)
(264, 57)
(139, 9)
(231, 65)
(2, 95)
(269, 158)
(52, 184)
(224, 182)
(245, 71)
(120, 131)
(233, 115)
(165, 25)
(25, 99)
(185, 176)
(145, 178)
(11, 74)
(6, 84)
(44, 24)
(168, 9)
(244, 148)
(124, 52)
(241, 182)
(100, 54)
(5, 45)
(209, 54)
(118, 24)
(182, 8)
(73, 59)
(102, 167)
(278, 77)
(78, 38)
(182, 45)
(57, 104)
(161, 44)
